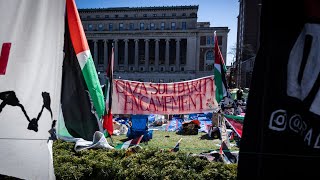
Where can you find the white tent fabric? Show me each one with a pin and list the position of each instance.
(98, 142)
(35, 31)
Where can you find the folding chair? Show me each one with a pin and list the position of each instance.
(139, 126)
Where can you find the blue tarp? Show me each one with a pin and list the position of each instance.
(204, 125)
(174, 125)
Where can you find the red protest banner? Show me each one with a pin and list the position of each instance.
(194, 96)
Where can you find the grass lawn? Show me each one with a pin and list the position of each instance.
(189, 143)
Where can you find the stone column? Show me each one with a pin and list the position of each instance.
(146, 54)
(126, 63)
(136, 55)
(177, 54)
(191, 53)
(198, 54)
(106, 55)
(115, 66)
(167, 55)
(156, 63)
(95, 56)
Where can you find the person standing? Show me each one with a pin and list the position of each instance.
(239, 94)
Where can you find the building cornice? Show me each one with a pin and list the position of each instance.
(126, 9)
(141, 35)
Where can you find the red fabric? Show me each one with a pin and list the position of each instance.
(218, 59)
(108, 123)
(4, 56)
(197, 122)
(108, 119)
(77, 34)
(237, 126)
(221, 151)
(136, 141)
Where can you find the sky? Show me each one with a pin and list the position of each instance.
(218, 12)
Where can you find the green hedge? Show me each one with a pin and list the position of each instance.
(144, 164)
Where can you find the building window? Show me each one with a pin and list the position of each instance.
(173, 26)
(184, 25)
(171, 69)
(209, 56)
(100, 27)
(182, 68)
(203, 40)
(106, 16)
(116, 16)
(162, 26)
(208, 40)
(88, 17)
(110, 27)
(193, 14)
(212, 40)
(161, 69)
(154, 15)
(90, 27)
(131, 26)
(151, 69)
(141, 69)
(120, 26)
(135, 15)
(219, 40)
(151, 26)
(144, 15)
(209, 61)
(97, 16)
(183, 14)
(131, 68)
(141, 26)
(174, 14)
(126, 15)
(163, 14)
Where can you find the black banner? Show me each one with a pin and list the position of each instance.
(281, 133)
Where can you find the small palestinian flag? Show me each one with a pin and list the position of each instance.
(176, 147)
(219, 72)
(131, 142)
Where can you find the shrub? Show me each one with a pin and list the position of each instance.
(145, 164)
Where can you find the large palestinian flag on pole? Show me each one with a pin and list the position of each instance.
(219, 72)
(108, 118)
(82, 100)
(31, 45)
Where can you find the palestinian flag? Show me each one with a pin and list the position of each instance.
(131, 142)
(82, 100)
(80, 44)
(108, 118)
(219, 72)
(176, 147)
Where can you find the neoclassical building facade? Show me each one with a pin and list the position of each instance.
(152, 44)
